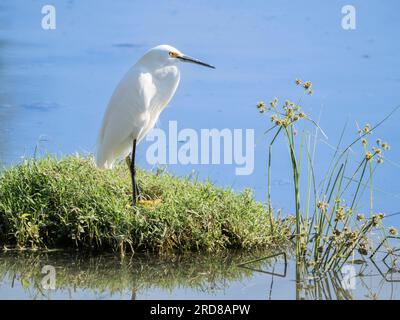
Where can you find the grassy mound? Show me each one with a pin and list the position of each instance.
(69, 203)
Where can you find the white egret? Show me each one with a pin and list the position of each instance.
(136, 104)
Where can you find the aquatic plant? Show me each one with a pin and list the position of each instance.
(329, 227)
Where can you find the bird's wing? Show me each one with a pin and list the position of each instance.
(126, 115)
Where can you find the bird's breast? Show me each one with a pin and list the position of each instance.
(166, 81)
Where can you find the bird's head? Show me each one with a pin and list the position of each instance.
(165, 55)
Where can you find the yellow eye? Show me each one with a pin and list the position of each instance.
(173, 54)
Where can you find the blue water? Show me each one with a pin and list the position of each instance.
(55, 84)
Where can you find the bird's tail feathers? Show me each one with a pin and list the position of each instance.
(101, 161)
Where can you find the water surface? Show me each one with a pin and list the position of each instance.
(83, 276)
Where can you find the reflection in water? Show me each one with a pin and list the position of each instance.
(187, 276)
(109, 274)
(386, 258)
(273, 259)
(327, 286)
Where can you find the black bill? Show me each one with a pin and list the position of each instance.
(193, 60)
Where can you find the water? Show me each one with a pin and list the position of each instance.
(54, 85)
(79, 276)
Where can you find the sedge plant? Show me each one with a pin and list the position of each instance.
(329, 227)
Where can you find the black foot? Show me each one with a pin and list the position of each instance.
(137, 195)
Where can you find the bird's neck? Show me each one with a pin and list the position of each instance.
(166, 72)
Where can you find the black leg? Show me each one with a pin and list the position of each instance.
(135, 190)
(138, 193)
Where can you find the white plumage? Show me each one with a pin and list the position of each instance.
(136, 104)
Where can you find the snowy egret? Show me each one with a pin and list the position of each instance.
(136, 104)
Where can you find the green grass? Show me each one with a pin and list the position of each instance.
(69, 203)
